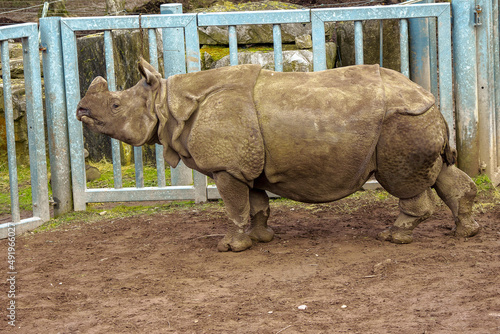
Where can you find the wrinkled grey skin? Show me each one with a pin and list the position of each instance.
(312, 137)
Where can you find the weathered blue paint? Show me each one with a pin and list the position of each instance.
(36, 136)
(10, 134)
(496, 53)
(75, 130)
(233, 45)
(278, 48)
(174, 63)
(35, 120)
(404, 47)
(381, 43)
(486, 90)
(419, 52)
(259, 17)
(464, 53)
(57, 125)
(358, 42)
(110, 76)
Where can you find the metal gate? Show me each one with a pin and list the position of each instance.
(36, 138)
(477, 85)
(181, 53)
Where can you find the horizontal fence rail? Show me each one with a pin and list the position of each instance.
(36, 137)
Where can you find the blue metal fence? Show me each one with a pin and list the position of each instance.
(477, 85)
(34, 110)
(181, 54)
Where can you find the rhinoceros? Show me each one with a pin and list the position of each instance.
(311, 137)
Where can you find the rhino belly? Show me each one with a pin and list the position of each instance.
(319, 136)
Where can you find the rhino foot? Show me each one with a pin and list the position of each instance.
(465, 228)
(261, 233)
(234, 241)
(397, 236)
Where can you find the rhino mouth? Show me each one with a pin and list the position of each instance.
(84, 115)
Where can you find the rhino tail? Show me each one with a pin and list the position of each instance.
(448, 153)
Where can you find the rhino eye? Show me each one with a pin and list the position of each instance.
(115, 105)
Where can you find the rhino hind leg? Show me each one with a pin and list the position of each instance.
(259, 213)
(457, 190)
(235, 195)
(413, 211)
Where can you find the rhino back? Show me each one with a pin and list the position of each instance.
(320, 130)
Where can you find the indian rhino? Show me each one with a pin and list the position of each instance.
(311, 137)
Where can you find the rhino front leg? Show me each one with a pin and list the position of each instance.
(235, 195)
(413, 211)
(458, 191)
(259, 213)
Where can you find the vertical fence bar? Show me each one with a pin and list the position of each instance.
(153, 60)
(57, 124)
(75, 129)
(486, 88)
(36, 129)
(404, 48)
(318, 38)
(433, 61)
(10, 133)
(496, 52)
(464, 53)
(233, 45)
(419, 52)
(110, 76)
(358, 42)
(173, 44)
(278, 48)
(174, 62)
(445, 71)
(381, 44)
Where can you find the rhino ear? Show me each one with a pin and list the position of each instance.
(99, 84)
(148, 72)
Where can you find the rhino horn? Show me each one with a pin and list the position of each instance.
(98, 85)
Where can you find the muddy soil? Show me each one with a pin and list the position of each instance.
(159, 272)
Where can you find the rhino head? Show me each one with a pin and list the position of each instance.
(130, 115)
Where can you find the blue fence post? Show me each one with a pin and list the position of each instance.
(57, 125)
(10, 134)
(34, 111)
(466, 104)
(174, 62)
(496, 52)
(486, 89)
(419, 52)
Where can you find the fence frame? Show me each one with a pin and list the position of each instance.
(182, 28)
(28, 32)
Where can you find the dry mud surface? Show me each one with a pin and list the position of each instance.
(159, 272)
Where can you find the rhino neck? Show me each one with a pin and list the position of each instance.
(165, 124)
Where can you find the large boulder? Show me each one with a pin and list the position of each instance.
(293, 60)
(252, 34)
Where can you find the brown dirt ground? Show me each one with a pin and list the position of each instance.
(159, 272)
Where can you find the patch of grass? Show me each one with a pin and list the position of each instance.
(128, 176)
(24, 188)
